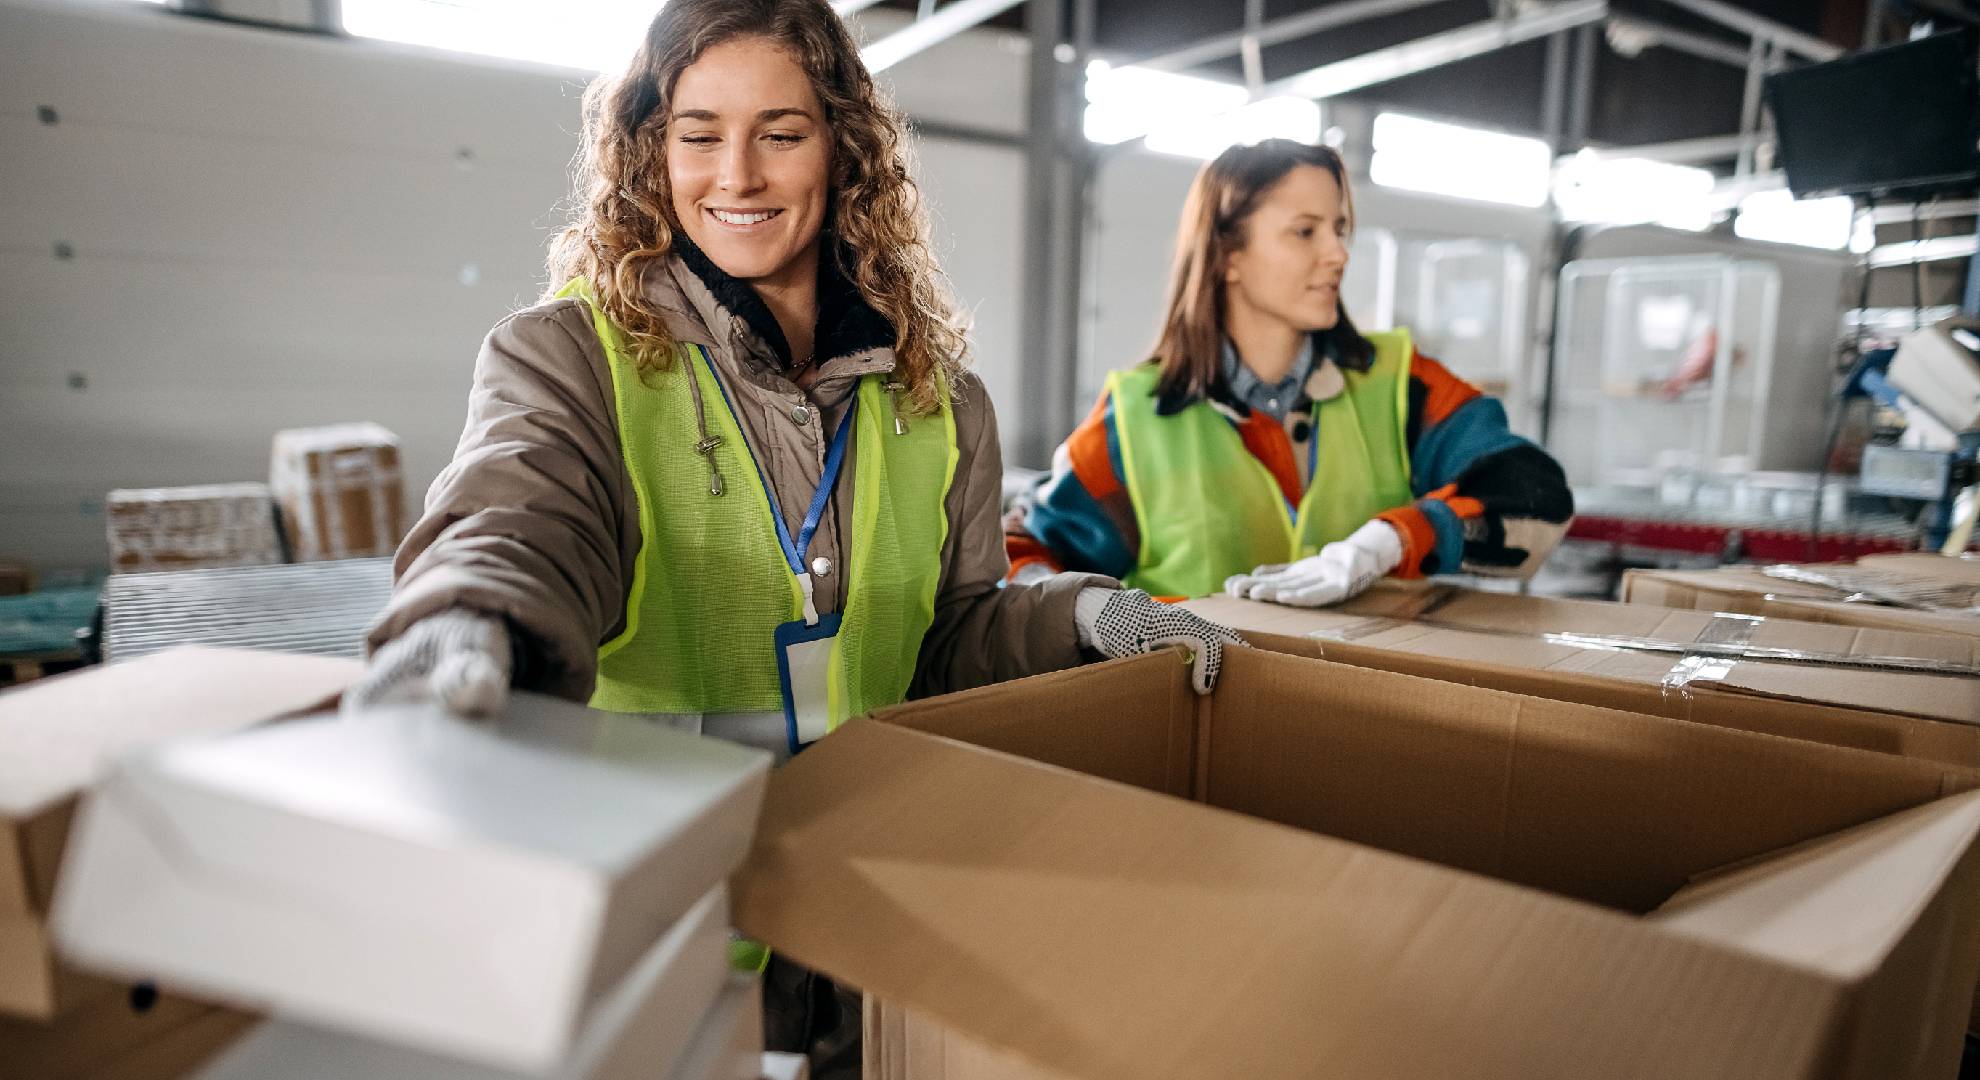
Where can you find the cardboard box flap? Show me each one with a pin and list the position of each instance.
(58, 736)
(1839, 903)
(1541, 617)
(1954, 698)
(1133, 721)
(1508, 636)
(1746, 589)
(1101, 931)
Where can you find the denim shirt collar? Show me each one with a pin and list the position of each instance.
(1276, 400)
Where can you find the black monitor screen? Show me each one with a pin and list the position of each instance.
(1896, 119)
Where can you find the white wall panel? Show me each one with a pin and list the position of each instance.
(269, 229)
(976, 200)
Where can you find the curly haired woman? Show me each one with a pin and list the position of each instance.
(732, 472)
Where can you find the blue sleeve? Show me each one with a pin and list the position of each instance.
(1085, 532)
(1446, 451)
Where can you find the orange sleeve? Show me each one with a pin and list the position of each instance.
(1026, 550)
(1419, 538)
(1086, 447)
(1419, 535)
(1446, 392)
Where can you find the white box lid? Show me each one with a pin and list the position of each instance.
(469, 889)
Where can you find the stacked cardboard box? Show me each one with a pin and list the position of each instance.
(541, 895)
(340, 491)
(1916, 694)
(185, 528)
(1944, 583)
(57, 738)
(1091, 874)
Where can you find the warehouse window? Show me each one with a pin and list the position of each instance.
(1469, 163)
(1187, 115)
(591, 35)
(1780, 217)
(1604, 190)
(1128, 102)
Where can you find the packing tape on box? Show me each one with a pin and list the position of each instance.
(1727, 639)
(1705, 660)
(1410, 611)
(1358, 629)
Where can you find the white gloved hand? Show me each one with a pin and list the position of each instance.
(1128, 622)
(457, 659)
(1343, 569)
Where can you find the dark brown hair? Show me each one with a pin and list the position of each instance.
(1189, 347)
(625, 223)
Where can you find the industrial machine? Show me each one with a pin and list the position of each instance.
(1928, 447)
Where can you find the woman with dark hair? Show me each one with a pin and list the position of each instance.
(1268, 448)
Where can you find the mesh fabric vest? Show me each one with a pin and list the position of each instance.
(1206, 508)
(711, 585)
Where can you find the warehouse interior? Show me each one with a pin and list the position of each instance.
(1566, 525)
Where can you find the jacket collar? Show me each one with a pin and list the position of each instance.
(1233, 389)
(707, 306)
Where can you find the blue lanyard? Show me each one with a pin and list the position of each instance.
(835, 457)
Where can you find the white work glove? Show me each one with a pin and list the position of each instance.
(1343, 569)
(457, 659)
(1127, 622)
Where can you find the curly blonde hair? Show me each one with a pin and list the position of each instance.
(624, 224)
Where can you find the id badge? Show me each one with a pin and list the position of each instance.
(804, 664)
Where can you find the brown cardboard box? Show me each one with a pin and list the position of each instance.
(1950, 568)
(119, 1033)
(1746, 590)
(57, 736)
(1566, 650)
(1469, 887)
(340, 491)
(186, 528)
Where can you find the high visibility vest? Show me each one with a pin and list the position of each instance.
(1206, 508)
(711, 584)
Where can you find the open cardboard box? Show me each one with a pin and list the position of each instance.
(1553, 648)
(1330, 870)
(57, 738)
(118, 1033)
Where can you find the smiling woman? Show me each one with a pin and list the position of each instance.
(749, 182)
(732, 473)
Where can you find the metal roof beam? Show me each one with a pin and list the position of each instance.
(1436, 50)
(1626, 33)
(1684, 151)
(1288, 28)
(1764, 29)
(921, 34)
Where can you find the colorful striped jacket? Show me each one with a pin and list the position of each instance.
(1487, 500)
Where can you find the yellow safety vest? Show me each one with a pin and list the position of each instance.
(1206, 508)
(711, 585)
